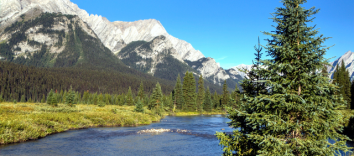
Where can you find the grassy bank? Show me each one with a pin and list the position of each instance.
(182, 113)
(26, 121)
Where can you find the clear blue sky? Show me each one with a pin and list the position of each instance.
(227, 30)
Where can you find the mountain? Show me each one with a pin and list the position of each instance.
(114, 35)
(348, 59)
(117, 35)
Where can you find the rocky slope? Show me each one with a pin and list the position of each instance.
(348, 59)
(55, 40)
(114, 35)
(117, 35)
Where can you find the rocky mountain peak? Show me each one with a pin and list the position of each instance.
(114, 35)
(348, 59)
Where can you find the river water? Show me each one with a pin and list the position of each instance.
(190, 135)
(197, 139)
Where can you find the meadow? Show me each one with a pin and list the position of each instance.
(27, 121)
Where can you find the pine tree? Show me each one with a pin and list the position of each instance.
(201, 92)
(216, 100)
(141, 91)
(179, 94)
(189, 93)
(298, 113)
(225, 96)
(236, 96)
(130, 101)
(207, 101)
(139, 106)
(70, 98)
(54, 101)
(50, 97)
(352, 95)
(156, 100)
(43, 99)
(23, 99)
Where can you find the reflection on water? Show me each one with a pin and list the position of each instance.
(192, 135)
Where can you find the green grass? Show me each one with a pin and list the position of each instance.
(183, 113)
(27, 121)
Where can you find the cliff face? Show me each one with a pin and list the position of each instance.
(348, 59)
(114, 35)
(117, 35)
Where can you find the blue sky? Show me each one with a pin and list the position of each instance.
(227, 30)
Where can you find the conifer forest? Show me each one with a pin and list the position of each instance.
(285, 105)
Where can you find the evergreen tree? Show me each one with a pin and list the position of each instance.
(189, 93)
(207, 101)
(130, 101)
(70, 98)
(23, 99)
(43, 99)
(50, 97)
(236, 96)
(85, 97)
(141, 91)
(215, 100)
(139, 106)
(156, 103)
(54, 101)
(352, 95)
(298, 113)
(225, 96)
(179, 94)
(201, 92)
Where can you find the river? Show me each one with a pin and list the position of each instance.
(189, 135)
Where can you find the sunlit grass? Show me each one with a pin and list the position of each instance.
(25, 121)
(183, 113)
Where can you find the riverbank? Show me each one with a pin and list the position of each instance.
(28, 121)
(218, 112)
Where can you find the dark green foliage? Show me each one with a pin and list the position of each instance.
(225, 96)
(156, 97)
(17, 80)
(70, 98)
(207, 101)
(156, 103)
(189, 93)
(130, 101)
(341, 77)
(139, 106)
(50, 97)
(179, 99)
(141, 93)
(201, 92)
(43, 99)
(349, 129)
(299, 112)
(23, 99)
(101, 104)
(352, 95)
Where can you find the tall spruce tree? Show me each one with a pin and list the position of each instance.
(141, 91)
(207, 101)
(189, 94)
(201, 92)
(130, 101)
(298, 113)
(352, 95)
(70, 97)
(225, 96)
(179, 94)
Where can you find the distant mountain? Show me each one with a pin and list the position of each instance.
(348, 59)
(117, 35)
(55, 40)
(114, 35)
